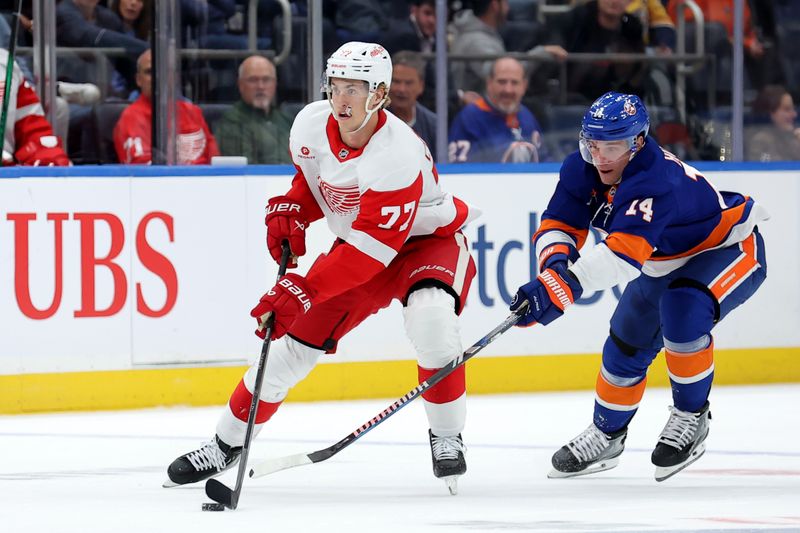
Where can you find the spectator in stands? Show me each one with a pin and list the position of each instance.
(601, 26)
(255, 127)
(659, 29)
(780, 139)
(135, 17)
(27, 138)
(498, 128)
(417, 32)
(83, 23)
(133, 132)
(360, 20)
(408, 83)
(761, 58)
(476, 31)
(217, 24)
(721, 11)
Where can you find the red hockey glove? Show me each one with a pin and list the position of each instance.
(549, 295)
(558, 252)
(44, 151)
(287, 299)
(286, 221)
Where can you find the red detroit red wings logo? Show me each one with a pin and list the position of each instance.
(340, 200)
(378, 50)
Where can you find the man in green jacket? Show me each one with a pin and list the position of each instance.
(254, 127)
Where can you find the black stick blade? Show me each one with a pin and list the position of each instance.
(218, 492)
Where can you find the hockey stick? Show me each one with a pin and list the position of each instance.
(216, 490)
(270, 466)
(12, 50)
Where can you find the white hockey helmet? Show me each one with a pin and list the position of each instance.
(355, 60)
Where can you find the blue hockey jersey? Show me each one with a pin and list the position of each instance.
(481, 133)
(661, 213)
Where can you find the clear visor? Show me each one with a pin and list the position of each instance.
(606, 152)
(350, 88)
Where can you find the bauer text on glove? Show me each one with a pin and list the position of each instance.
(286, 221)
(287, 300)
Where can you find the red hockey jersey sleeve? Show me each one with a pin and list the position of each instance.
(301, 193)
(379, 231)
(35, 143)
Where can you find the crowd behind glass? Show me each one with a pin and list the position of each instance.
(520, 75)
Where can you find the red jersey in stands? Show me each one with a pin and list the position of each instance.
(133, 134)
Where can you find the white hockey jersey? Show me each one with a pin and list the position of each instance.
(373, 198)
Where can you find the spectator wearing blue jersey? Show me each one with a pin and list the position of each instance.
(497, 128)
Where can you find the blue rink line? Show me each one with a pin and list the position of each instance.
(316, 442)
(148, 171)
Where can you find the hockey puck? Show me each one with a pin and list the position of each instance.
(213, 507)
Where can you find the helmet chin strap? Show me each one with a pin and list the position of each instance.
(369, 112)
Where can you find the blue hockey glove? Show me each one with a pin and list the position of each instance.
(548, 295)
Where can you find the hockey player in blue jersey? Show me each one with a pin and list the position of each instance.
(689, 255)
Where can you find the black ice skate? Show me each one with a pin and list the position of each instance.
(590, 452)
(209, 461)
(682, 442)
(448, 459)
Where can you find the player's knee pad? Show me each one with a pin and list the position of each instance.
(624, 364)
(432, 326)
(289, 362)
(687, 317)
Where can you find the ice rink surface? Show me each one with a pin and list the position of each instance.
(102, 472)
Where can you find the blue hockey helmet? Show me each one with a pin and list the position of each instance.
(613, 117)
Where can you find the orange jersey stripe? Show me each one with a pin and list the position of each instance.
(549, 224)
(730, 217)
(689, 365)
(633, 246)
(730, 278)
(617, 395)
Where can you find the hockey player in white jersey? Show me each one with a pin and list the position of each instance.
(397, 236)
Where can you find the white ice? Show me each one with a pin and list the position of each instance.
(102, 472)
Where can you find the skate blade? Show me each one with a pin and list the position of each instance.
(168, 484)
(606, 464)
(665, 472)
(452, 484)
